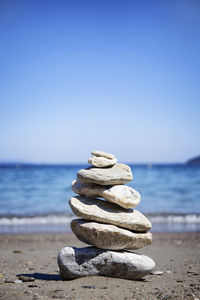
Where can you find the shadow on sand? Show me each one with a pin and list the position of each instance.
(42, 276)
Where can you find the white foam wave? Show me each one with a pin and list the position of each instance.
(37, 220)
(188, 219)
(66, 219)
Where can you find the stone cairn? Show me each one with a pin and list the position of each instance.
(111, 226)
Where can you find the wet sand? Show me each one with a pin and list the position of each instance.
(177, 256)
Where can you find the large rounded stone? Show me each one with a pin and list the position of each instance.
(109, 213)
(117, 174)
(106, 236)
(90, 261)
(123, 195)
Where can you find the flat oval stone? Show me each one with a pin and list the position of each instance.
(104, 212)
(102, 154)
(117, 174)
(101, 162)
(89, 261)
(122, 195)
(106, 236)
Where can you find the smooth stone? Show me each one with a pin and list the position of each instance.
(122, 195)
(102, 154)
(26, 278)
(104, 212)
(101, 162)
(117, 174)
(106, 236)
(90, 261)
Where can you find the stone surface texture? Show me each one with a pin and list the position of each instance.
(101, 162)
(90, 261)
(106, 236)
(123, 195)
(102, 154)
(104, 212)
(117, 174)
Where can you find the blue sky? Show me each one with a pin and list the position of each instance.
(118, 76)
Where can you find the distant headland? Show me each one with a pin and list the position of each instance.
(194, 161)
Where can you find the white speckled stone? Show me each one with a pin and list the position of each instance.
(90, 261)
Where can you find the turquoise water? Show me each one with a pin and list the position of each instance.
(41, 192)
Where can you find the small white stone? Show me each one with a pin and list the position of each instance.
(18, 281)
(157, 273)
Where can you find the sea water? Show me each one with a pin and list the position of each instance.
(34, 198)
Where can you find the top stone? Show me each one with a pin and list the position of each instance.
(102, 154)
(117, 174)
(101, 159)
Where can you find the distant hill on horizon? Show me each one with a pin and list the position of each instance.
(191, 161)
(194, 161)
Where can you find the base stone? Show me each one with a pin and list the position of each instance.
(90, 261)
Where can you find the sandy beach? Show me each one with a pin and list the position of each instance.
(34, 255)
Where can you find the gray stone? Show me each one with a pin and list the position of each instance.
(90, 261)
(106, 236)
(123, 195)
(9, 281)
(102, 154)
(101, 162)
(117, 174)
(17, 251)
(104, 212)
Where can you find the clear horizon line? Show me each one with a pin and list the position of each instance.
(85, 163)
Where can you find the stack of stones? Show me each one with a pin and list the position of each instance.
(110, 225)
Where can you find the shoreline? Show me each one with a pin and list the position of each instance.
(65, 228)
(176, 256)
(58, 223)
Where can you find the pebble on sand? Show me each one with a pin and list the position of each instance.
(26, 278)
